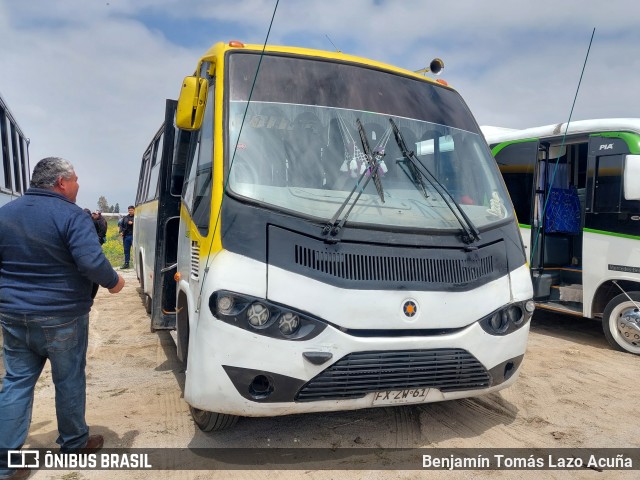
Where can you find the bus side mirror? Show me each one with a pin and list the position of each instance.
(191, 103)
(631, 180)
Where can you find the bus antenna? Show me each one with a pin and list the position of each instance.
(540, 224)
(235, 148)
(334, 45)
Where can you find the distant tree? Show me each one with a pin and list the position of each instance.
(103, 205)
(116, 209)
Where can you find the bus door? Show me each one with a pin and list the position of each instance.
(538, 176)
(163, 306)
(541, 179)
(557, 241)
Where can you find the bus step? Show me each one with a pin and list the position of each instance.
(566, 293)
(561, 307)
(571, 275)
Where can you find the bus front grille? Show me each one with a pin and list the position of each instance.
(361, 373)
(374, 266)
(381, 268)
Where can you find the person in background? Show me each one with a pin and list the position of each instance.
(126, 232)
(101, 226)
(49, 262)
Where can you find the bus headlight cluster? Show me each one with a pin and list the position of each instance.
(263, 317)
(507, 319)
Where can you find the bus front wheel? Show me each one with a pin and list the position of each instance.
(621, 322)
(212, 421)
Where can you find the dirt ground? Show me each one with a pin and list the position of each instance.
(573, 391)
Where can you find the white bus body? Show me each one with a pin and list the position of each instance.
(585, 250)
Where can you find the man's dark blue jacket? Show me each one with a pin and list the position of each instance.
(49, 256)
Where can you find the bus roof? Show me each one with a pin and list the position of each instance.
(495, 135)
(221, 47)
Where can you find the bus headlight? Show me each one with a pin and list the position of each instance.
(289, 323)
(507, 319)
(260, 316)
(225, 304)
(513, 314)
(498, 322)
(530, 306)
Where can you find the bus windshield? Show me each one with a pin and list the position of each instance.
(299, 148)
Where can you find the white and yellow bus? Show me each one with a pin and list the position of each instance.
(576, 192)
(14, 167)
(294, 282)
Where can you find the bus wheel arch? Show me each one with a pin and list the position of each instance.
(621, 322)
(146, 299)
(205, 420)
(140, 272)
(182, 327)
(138, 267)
(607, 291)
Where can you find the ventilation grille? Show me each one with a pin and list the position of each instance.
(195, 260)
(378, 268)
(360, 373)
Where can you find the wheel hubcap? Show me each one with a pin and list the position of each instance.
(629, 325)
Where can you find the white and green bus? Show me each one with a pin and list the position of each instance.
(577, 198)
(326, 232)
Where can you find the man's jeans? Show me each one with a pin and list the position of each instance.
(28, 341)
(127, 241)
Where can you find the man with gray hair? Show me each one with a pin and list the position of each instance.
(50, 260)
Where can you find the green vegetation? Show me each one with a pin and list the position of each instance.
(113, 247)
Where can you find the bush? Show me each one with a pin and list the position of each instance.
(112, 248)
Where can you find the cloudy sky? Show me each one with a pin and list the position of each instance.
(87, 79)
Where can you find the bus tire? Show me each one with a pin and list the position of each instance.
(147, 303)
(621, 323)
(212, 421)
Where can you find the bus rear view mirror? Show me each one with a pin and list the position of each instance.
(193, 98)
(632, 177)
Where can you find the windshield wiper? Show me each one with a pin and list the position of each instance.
(373, 158)
(470, 231)
(333, 227)
(411, 171)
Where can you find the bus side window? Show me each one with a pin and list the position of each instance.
(608, 184)
(154, 174)
(5, 168)
(144, 175)
(182, 157)
(17, 171)
(517, 165)
(197, 187)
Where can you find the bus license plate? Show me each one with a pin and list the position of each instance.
(392, 397)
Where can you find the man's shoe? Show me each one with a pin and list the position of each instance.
(126, 265)
(19, 474)
(94, 443)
